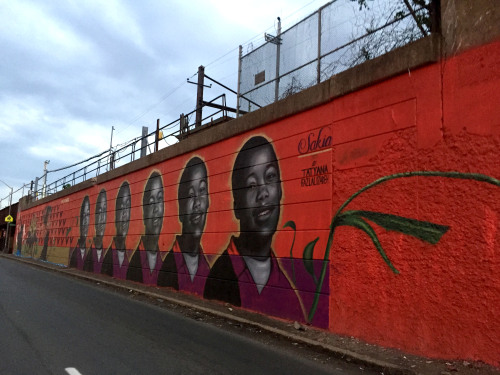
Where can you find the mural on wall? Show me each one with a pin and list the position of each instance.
(19, 242)
(247, 268)
(95, 256)
(425, 231)
(185, 266)
(247, 273)
(47, 212)
(79, 254)
(41, 232)
(253, 270)
(147, 259)
(116, 260)
(410, 260)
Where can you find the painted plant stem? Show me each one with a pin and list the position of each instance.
(457, 175)
(291, 224)
(335, 222)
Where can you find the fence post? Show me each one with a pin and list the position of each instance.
(157, 134)
(240, 53)
(44, 187)
(278, 45)
(319, 45)
(144, 141)
(36, 188)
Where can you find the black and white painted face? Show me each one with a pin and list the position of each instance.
(100, 214)
(153, 207)
(193, 202)
(257, 204)
(123, 204)
(84, 218)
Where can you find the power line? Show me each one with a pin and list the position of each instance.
(147, 110)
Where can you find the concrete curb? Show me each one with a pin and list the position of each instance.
(353, 357)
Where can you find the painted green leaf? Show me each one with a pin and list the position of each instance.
(307, 258)
(290, 224)
(423, 230)
(350, 219)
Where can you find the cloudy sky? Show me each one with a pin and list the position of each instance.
(70, 70)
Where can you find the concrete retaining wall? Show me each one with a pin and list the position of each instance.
(367, 205)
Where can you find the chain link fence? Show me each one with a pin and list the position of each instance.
(338, 36)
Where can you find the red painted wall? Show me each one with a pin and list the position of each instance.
(445, 302)
(439, 232)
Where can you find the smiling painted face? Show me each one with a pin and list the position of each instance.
(257, 199)
(84, 218)
(122, 212)
(153, 206)
(100, 214)
(193, 200)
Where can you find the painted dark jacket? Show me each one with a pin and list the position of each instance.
(43, 255)
(138, 269)
(175, 274)
(111, 265)
(19, 242)
(94, 262)
(77, 261)
(230, 281)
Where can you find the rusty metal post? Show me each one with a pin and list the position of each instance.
(199, 95)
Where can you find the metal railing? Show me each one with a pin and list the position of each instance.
(160, 138)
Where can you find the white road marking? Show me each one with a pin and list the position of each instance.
(72, 371)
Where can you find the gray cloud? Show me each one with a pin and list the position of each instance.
(72, 69)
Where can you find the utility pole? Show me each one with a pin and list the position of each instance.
(111, 159)
(144, 141)
(111, 141)
(44, 186)
(199, 96)
(6, 248)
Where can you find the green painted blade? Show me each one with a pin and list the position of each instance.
(356, 221)
(423, 230)
(290, 224)
(307, 258)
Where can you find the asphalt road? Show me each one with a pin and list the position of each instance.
(54, 324)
